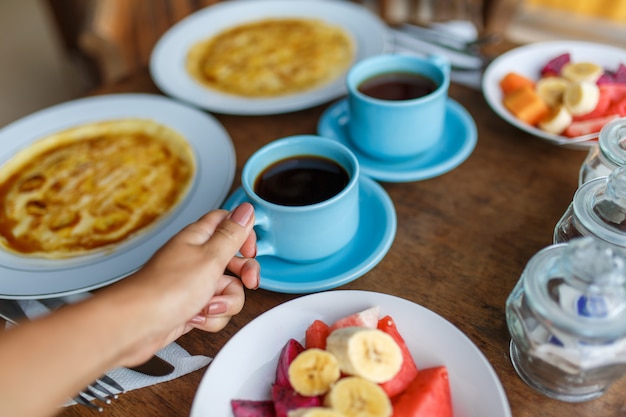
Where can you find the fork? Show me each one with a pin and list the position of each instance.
(13, 313)
(95, 390)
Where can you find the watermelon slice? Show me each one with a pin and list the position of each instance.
(619, 107)
(407, 373)
(316, 334)
(291, 349)
(427, 395)
(605, 100)
(585, 127)
(366, 318)
(616, 92)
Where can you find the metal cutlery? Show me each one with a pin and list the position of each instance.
(449, 40)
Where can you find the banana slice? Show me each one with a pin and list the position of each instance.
(557, 120)
(313, 371)
(314, 412)
(368, 353)
(551, 90)
(357, 397)
(581, 98)
(582, 72)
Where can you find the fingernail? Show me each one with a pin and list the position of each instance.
(258, 281)
(198, 319)
(242, 214)
(217, 308)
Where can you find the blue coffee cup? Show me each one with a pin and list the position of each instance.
(309, 232)
(397, 129)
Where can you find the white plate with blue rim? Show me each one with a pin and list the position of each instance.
(376, 232)
(237, 372)
(458, 142)
(167, 62)
(26, 277)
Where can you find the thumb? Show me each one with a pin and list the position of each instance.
(232, 232)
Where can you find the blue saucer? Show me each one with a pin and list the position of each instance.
(459, 140)
(376, 232)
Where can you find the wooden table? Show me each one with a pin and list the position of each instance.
(463, 239)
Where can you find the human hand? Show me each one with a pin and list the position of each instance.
(196, 279)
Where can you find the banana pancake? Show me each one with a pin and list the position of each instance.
(92, 186)
(271, 57)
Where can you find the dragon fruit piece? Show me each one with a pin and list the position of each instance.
(620, 74)
(286, 399)
(253, 408)
(289, 352)
(553, 67)
(607, 78)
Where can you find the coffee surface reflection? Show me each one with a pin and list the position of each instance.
(301, 180)
(397, 86)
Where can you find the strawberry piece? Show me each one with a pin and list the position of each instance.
(252, 408)
(428, 395)
(316, 334)
(408, 371)
(289, 352)
(366, 318)
(585, 127)
(553, 67)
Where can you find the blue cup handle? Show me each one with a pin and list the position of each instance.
(441, 62)
(262, 224)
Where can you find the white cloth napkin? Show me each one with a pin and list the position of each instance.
(183, 362)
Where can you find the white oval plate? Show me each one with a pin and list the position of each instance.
(528, 60)
(246, 365)
(24, 277)
(167, 62)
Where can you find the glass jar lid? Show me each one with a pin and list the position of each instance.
(612, 141)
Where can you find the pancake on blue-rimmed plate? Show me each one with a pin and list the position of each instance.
(271, 57)
(92, 186)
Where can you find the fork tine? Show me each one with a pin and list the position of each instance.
(94, 390)
(82, 400)
(111, 382)
(99, 387)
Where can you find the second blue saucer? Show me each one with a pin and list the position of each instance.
(458, 142)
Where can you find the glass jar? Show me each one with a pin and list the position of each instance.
(606, 155)
(597, 209)
(567, 320)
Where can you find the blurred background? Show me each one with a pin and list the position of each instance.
(36, 71)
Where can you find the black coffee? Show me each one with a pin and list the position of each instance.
(397, 86)
(301, 180)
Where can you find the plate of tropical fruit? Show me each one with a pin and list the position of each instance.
(561, 91)
(350, 353)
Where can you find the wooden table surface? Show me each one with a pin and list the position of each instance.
(462, 241)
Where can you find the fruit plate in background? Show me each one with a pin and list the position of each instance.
(239, 371)
(528, 60)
